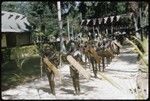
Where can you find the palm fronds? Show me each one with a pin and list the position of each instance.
(143, 52)
(143, 55)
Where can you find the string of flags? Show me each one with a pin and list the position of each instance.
(106, 20)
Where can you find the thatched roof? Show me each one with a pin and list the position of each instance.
(14, 22)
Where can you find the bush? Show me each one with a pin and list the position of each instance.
(23, 52)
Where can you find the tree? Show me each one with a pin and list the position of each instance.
(9, 6)
(133, 7)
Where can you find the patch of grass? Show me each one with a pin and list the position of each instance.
(24, 51)
(12, 76)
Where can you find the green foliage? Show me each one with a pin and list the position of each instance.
(13, 76)
(43, 17)
(100, 9)
(9, 6)
(121, 7)
(19, 54)
(6, 54)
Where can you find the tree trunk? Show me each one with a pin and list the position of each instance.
(68, 28)
(134, 7)
(140, 22)
(72, 33)
(136, 27)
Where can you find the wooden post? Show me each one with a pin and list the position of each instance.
(106, 32)
(41, 65)
(60, 29)
(60, 24)
(68, 28)
(111, 30)
(72, 33)
(40, 43)
(99, 35)
(93, 32)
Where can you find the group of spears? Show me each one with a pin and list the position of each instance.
(92, 53)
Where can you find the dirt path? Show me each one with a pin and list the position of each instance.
(122, 70)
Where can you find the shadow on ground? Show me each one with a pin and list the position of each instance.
(129, 58)
(67, 91)
(44, 89)
(120, 71)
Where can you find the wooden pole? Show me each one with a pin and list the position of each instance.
(111, 30)
(60, 23)
(98, 34)
(40, 42)
(68, 28)
(41, 65)
(60, 29)
(72, 33)
(93, 32)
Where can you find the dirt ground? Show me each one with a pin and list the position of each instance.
(122, 71)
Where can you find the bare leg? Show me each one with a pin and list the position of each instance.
(94, 69)
(78, 84)
(99, 66)
(103, 63)
(74, 84)
(75, 79)
(51, 81)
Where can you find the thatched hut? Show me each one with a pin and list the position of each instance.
(15, 29)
